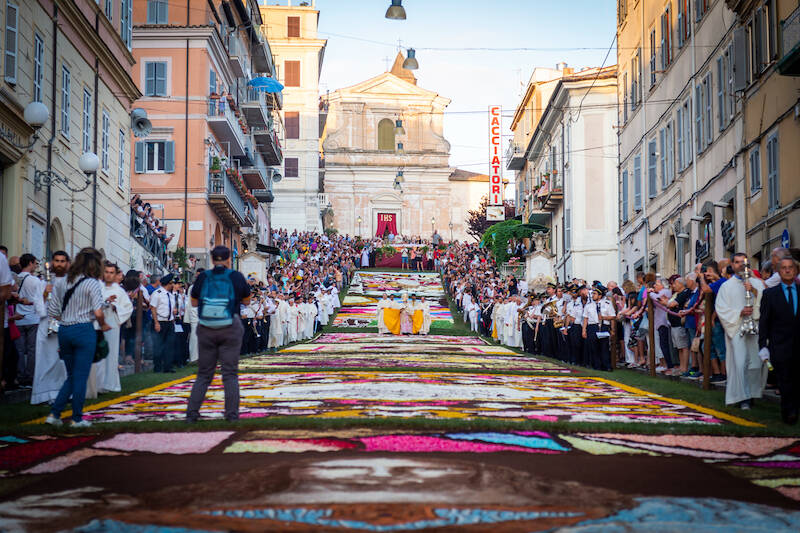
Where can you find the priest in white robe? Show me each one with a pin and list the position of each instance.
(276, 323)
(49, 372)
(425, 305)
(311, 317)
(190, 318)
(383, 303)
(747, 374)
(117, 312)
(510, 323)
(322, 313)
(292, 320)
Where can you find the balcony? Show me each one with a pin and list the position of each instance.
(225, 125)
(268, 144)
(550, 193)
(253, 170)
(237, 55)
(254, 107)
(227, 200)
(152, 243)
(789, 64)
(515, 158)
(262, 54)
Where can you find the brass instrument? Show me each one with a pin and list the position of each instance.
(550, 310)
(52, 323)
(749, 325)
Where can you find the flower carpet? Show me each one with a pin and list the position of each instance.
(374, 338)
(383, 348)
(431, 395)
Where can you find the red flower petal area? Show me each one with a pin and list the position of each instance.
(23, 455)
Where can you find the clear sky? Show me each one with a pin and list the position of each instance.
(360, 38)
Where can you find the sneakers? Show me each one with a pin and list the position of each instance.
(660, 368)
(82, 424)
(53, 421)
(745, 405)
(717, 378)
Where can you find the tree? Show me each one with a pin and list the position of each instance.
(476, 218)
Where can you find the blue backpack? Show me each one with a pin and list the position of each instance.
(216, 300)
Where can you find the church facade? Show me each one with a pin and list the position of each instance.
(382, 179)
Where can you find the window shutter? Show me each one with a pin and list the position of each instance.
(721, 92)
(567, 228)
(739, 59)
(149, 79)
(637, 182)
(679, 133)
(709, 101)
(772, 176)
(292, 74)
(292, 124)
(169, 157)
(152, 12)
(652, 189)
(291, 165)
(624, 196)
(662, 138)
(293, 27)
(139, 157)
(163, 15)
(698, 118)
(670, 154)
(12, 29)
(161, 79)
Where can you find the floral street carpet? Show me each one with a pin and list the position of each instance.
(374, 338)
(430, 395)
(373, 480)
(365, 314)
(382, 348)
(419, 361)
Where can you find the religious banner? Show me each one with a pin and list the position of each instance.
(495, 164)
(387, 223)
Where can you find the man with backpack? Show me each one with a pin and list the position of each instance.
(217, 294)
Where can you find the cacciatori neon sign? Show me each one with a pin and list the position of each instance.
(495, 165)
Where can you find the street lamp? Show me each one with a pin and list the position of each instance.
(411, 60)
(396, 11)
(433, 224)
(450, 225)
(88, 163)
(359, 225)
(35, 114)
(398, 127)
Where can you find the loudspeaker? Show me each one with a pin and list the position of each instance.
(140, 124)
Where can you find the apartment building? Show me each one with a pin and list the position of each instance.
(73, 58)
(768, 79)
(292, 34)
(570, 181)
(682, 196)
(206, 166)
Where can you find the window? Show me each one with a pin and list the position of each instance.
(212, 82)
(155, 78)
(567, 229)
(772, 173)
(637, 182)
(291, 73)
(698, 117)
(157, 12)
(708, 122)
(771, 30)
(757, 42)
(662, 142)
(87, 121)
(652, 178)
(666, 39)
(624, 216)
(293, 27)
(126, 22)
(65, 83)
(700, 8)
(755, 169)
(731, 93)
(722, 105)
(687, 128)
(652, 58)
(681, 138)
(104, 142)
(155, 156)
(622, 11)
(121, 161)
(38, 67)
(290, 165)
(386, 135)
(684, 28)
(636, 79)
(670, 166)
(12, 30)
(625, 97)
(109, 9)
(292, 124)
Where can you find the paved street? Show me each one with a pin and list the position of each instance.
(354, 431)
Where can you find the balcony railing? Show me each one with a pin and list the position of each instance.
(144, 235)
(515, 158)
(789, 64)
(253, 169)
(225, 124)
(268, 143)
(238, 55)
(227, 201)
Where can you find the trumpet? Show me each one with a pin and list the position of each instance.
(52, 324)
(749, 325)
(550, 310)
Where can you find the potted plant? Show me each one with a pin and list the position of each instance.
(216, 167)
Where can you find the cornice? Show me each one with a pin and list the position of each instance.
(121, 74)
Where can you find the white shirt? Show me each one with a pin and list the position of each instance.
(31, 289)
(5, 279)
(163, 301)
(575, 310)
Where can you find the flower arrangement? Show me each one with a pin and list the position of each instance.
(216, 166)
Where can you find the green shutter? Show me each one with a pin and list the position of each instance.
(169, 157)
(139, 157)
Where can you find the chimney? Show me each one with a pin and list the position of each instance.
(561, 66)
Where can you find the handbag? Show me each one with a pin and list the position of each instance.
(101, 344)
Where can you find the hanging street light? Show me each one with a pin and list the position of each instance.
(400, 150)
(411, 60)
(35, 114)
(400, 178)
(398, 127)
(450, 225)
(396, 11)
(88, 163)
(433, 224)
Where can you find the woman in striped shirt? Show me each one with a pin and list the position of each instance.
(77, 301)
